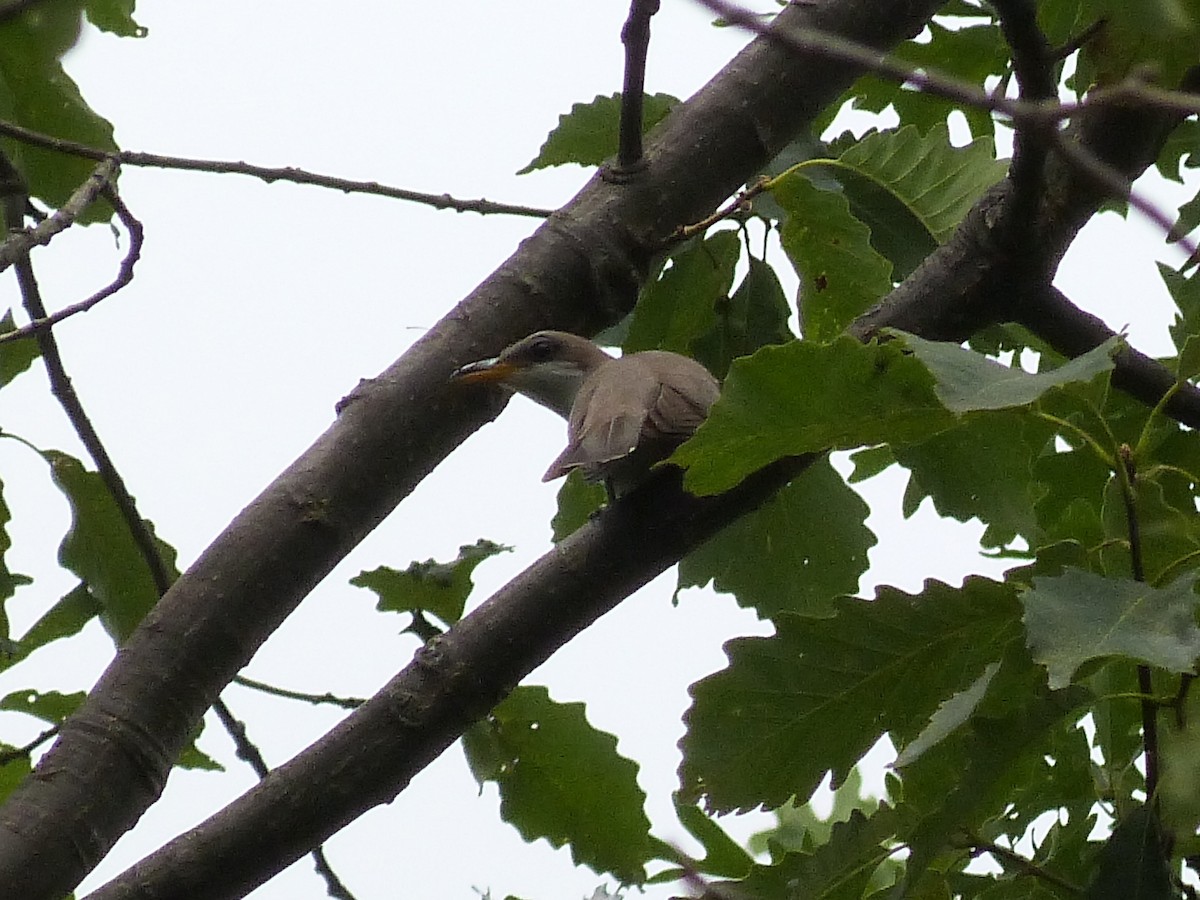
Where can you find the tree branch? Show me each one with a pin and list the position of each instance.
(579, 272)
(636, 38)
(266, 173)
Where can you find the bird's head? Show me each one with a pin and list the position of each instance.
(547, 366)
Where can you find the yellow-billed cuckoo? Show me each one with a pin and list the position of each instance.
(623, 414)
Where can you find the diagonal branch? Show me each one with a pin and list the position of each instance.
(458, 676)
(579, 271)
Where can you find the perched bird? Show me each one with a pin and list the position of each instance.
(623, 414)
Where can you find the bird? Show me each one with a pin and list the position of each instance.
(623, 414)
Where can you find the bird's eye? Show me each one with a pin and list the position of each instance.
(541, 348)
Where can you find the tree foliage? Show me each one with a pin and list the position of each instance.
(1043, 719)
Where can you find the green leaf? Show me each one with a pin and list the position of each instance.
(1168, 533)
(65, 618)
(967, 381)
(1178, 793)
(756, 315)
(871, 461)
(100, 550)
(1133, 864)
(588, 134)
(115, 17)
(970, 51)
(1185, 291)
(817, 695)
(9, 581)
(1078, 616)
(723, 856)
(781, 557)
(805, 397)
(680, 307)
(578, 500)
(37, 93)
(51, 707)
(13, 771)
(841, 274)
(563, 780)
(949, 716)
(1020, 755)
(15, 356)
(912, 190)
(982, 467)
(839, 869)
(430, 586)
(1158, 33)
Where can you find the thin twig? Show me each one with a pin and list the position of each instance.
(266, 173)
(739, 204)
(247, 751)
(635, 35)
(315, 699)
(976, 844)
(124, 274)
(1127, 479)
(1032, 114)
(20, 241)
(17, 752)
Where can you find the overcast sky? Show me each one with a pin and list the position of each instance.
(256, 307)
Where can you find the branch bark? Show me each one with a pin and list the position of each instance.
(458, 677)
(579, 271)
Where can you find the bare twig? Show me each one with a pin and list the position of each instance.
(739, 204)
(124, 274)
(17, 752)
(636, 38)
(267, 174)
(20, 241)
(977, 844)
(248, 751)
(315, 699)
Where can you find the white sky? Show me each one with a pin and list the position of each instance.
(256, 307)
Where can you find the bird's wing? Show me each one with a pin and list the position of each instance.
(651, 398)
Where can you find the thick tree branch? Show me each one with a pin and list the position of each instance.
(454, 680)
(579, 271)
(460, 675)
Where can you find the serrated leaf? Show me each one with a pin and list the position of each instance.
(1159, 33)
(430, 586)
(1078, 616)
(100, 550)
(15, 356)
(841, 274)
(967, 381)
(805, 397)
(562, 779)
(1189, 359)
(1020, 755)
(756, 315)
(817, 695)
(1185, 291)
(37, 93)
(912, 189)
(588, 134)
(839, 869)
(680, 306)
(981, 467)
(781, 557)
(1133, 863)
